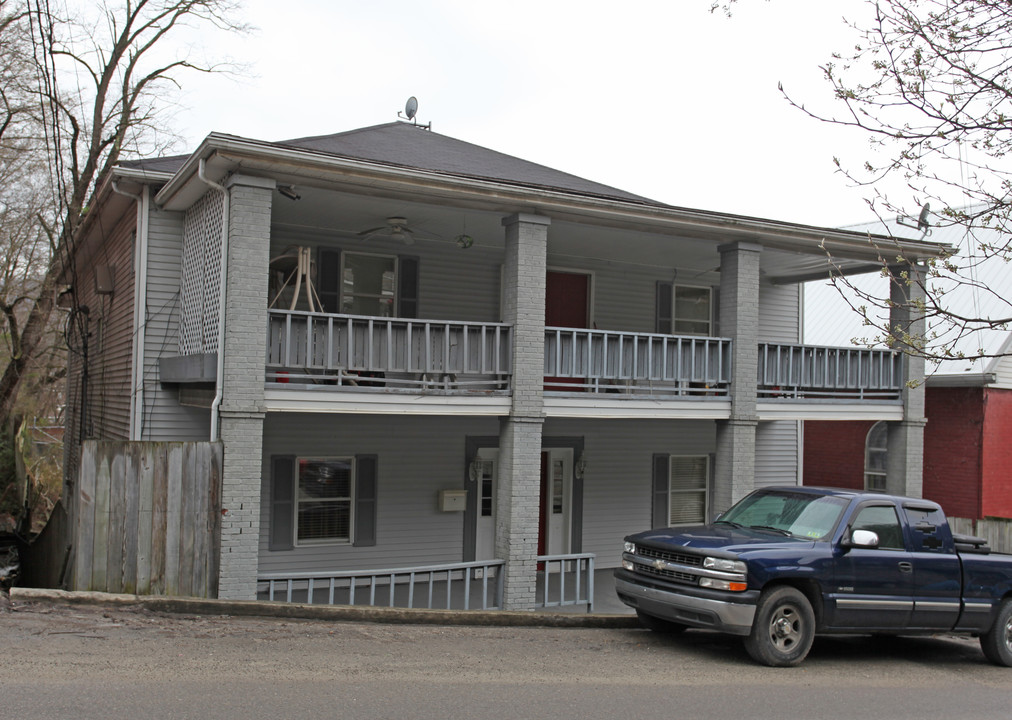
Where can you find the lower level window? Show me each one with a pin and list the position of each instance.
(876, 451)
(687, 489)
(324, 500)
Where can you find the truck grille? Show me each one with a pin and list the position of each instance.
(679, 558)
(666, 573)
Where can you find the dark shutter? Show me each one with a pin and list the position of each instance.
(407, 287)
(366, 487)
(328, 279)
(665, 298)
(282, 531)
(659, 505)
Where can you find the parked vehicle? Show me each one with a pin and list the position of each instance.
(786, 563)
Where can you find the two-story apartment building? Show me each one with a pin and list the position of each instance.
(416, 351)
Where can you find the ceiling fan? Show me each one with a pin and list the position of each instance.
(396, 229)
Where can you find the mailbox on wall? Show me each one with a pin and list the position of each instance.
(452, 500)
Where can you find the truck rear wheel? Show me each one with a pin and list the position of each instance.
(659, 625)
(997, 641)
(783, 629)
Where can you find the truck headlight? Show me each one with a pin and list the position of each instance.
(630, 547)
(725, 565)
(715, 584)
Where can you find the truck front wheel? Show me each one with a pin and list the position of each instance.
(783, 629)
(997, 642)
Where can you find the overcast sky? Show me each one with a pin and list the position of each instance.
(660, 98)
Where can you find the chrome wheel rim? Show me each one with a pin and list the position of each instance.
(1008, 634)
(786, 628)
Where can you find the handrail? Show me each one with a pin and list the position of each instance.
(456, 579)
(390, 353)
(608, 361)
(575, 573)
(788, 370)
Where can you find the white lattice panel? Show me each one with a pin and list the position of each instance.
(201, 274)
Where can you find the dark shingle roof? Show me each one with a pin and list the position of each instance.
(410, 146)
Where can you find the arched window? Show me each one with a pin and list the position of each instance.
(875, 451)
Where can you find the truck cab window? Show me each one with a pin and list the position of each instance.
(883, 521)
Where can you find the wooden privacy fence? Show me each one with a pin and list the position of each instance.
(997, 531)
(148, 518)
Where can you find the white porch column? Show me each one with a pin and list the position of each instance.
(242, 408)
(734, 471)
(519, 491)
(905, 439)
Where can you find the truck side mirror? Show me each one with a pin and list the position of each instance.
(862, 539)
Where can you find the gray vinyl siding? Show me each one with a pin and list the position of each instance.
(164, 418)
(417, 457)
(777, 449)
(1003, 371)
(779, 313)
(617, 480)
(104, 412)
(454, 284)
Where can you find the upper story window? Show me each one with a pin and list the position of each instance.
(368, 284)
(875, 452)
(684, 309)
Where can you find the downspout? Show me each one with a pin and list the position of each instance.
(219, 383)
(143, 201)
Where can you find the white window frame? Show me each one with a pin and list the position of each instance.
(674, 310)
(705, 489)
(345, 254)
(869, 473)
(350, 498)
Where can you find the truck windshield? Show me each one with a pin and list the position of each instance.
(797, 514)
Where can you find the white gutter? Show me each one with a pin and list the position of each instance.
(143, 202)
(219, 384)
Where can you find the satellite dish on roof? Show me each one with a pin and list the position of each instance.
(923, 223)
(410, 110)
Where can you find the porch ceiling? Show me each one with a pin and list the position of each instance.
(328, 213)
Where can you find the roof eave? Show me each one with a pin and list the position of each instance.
(225, 153)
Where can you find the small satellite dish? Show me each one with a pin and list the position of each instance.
(923, 224)
(411, 107)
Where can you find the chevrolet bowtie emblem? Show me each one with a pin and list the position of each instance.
(660, 564)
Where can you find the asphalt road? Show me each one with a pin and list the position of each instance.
(93, 662)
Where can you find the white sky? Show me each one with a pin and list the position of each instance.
(660, 98)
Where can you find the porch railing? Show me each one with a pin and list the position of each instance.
(605, 361)
(390, 353)
(567, 580)
(456, 586)
(807, 371)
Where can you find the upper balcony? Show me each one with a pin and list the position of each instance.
(334, 353)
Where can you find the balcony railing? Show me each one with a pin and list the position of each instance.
(388, 353)
(806, 371)
(637, 363)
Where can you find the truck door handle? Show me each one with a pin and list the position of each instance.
(906, 567)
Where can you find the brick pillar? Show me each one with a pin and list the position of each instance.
(242, 407)
(518, 499)
(905, 440)
(734, 471)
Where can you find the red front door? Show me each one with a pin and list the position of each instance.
(567, 304)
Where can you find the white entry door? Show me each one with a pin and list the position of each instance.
(488, 483)
(555, 529)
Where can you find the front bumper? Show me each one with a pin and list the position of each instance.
(689, 606)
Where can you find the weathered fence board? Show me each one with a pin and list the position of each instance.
(997, 531)
(146, 518)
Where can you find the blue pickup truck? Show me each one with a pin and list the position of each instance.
(786, 563)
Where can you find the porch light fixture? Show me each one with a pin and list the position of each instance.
(289, 192)
(474, 469)
(581, 467)
(464, 241)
